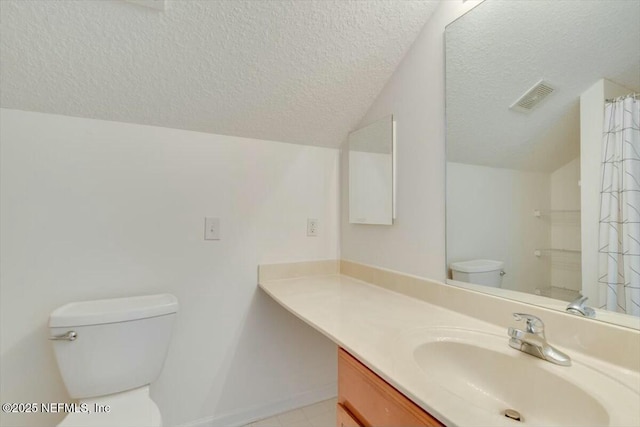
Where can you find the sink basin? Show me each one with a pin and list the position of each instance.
(500, 381)
(477, 374)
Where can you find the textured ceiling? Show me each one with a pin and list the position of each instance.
(293, 71)
(500, 49)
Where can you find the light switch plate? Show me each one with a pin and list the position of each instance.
(211, 228)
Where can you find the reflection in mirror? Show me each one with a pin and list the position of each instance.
(371, 173)
(527, 83)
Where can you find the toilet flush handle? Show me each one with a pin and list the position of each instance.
(502, 272)
(69, 336)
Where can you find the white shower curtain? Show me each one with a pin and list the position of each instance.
(619, 268)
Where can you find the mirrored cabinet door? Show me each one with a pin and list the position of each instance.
(371, 173)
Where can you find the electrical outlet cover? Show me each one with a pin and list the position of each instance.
(312, 227)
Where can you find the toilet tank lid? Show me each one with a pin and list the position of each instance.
(477, 266)
(113, 310)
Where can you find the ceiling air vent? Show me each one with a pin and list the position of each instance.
(153, 4)
(533, 97)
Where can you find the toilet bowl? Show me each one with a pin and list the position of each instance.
(128, 408)
(108, 352)
(485, 272)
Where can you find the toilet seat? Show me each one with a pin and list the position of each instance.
(132, 408)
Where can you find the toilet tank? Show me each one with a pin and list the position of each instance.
(120, 343)
(485, 272)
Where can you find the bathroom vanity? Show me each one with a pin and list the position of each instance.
(406, 359)
(365, 399)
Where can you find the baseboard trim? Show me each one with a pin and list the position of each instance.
(241, 418)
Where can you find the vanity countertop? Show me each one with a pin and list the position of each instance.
(366, 320)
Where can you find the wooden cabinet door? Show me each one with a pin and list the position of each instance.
(345, 419)
(374, 402)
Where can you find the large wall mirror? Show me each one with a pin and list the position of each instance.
(371, 173)
(532, 185)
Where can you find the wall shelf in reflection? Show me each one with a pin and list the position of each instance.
(558, 215)
(552, 251)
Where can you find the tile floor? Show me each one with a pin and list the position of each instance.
(321, 414)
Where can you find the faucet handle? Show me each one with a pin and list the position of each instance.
(534, 323)
(579, 301)
(578, 307)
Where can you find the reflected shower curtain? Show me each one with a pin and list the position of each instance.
(619, 268)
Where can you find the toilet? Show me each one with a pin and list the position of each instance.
(485, 272)
(108, 352)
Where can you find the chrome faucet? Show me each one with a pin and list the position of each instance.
(532, 340)
(578, 307)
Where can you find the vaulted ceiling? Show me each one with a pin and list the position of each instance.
(293, 71)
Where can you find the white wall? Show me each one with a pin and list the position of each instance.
(591, 128)
(490, 215)
(565, 226)
(95, 209)
(370, 186)
(415, 96)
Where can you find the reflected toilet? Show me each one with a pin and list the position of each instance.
(479, 271)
